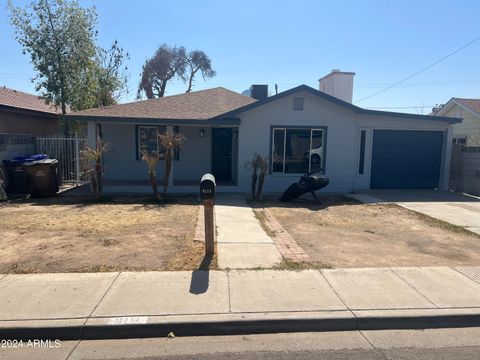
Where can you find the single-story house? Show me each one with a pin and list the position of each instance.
(299, 130)
(468, 131)
(22, 113)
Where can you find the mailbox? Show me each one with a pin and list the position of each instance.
(207, 187)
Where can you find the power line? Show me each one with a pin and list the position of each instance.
(420, 71)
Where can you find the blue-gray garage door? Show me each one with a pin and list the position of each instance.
(406, 159)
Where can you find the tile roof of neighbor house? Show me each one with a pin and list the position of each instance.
(473, 104)
(21, 100)
(197, 105)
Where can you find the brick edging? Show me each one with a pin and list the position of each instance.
(287, 246)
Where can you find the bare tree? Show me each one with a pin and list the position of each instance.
(166, 64)
(197, 61)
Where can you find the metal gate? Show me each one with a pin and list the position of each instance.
(67, 151)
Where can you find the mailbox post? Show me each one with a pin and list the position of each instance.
(207, 195)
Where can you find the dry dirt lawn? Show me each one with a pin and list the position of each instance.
(344, 233)
(78, 235)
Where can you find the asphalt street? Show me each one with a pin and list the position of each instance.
(429, 344)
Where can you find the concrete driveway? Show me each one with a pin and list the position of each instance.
(454, 208)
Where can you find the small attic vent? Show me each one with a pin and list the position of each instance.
(298, 103)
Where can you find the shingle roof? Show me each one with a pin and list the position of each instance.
(20, 100)
(473, 104)
(198, 105)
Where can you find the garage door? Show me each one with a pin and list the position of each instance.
(406, 159)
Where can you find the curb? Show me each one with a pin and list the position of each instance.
(238, 324)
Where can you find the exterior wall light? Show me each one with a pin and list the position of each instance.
(202, 133)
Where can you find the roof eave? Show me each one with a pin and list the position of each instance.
(339, 102)
(160, 121)
(16, 109)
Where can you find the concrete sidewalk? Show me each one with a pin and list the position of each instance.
(147, 304)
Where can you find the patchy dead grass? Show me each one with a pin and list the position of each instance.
(71, 234)
(344, 233)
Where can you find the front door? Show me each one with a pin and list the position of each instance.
(222, 146)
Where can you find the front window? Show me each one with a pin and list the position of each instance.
(298, 151)
(148, 139)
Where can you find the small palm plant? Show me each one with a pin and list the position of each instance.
(96, 174)
(258, 163)
(152, 159)
(169, 143)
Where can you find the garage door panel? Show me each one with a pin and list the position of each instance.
(406, 159)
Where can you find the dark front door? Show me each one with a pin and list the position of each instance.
(222, 146)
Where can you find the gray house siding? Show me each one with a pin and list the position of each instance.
(121, 160)
(342, 140)
(342, 129)
(255, 134)
(195, 154)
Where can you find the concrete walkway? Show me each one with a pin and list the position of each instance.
(241, 241)
(454, 208)
(127, 304)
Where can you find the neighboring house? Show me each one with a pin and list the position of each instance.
(468, 131)
(22, 117)
(22, 113)
(299, 130)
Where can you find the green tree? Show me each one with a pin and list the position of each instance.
(72, 72)
(111, 75)
(59, 36)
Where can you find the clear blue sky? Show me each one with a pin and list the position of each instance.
(292, 43)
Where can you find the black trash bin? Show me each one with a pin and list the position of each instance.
(17, 177)
(42, 176)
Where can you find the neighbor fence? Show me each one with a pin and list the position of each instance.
(67, 150)
(465, 169)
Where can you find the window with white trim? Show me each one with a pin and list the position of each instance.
(298, 150)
